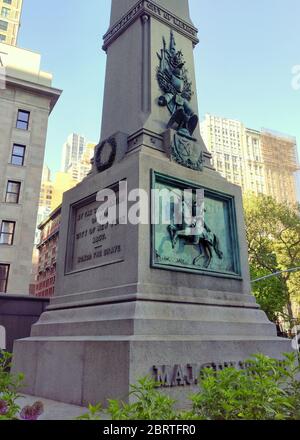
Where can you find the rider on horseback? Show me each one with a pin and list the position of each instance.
(194, 231)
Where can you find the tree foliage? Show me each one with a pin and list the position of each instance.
(273, 233)
(265, 390)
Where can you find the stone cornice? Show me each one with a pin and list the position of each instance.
(149, 8)
(40, 89)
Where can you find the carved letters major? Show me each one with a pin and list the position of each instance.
(187, 375)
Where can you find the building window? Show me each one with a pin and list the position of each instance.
(23, 119)
(7, 233)
(5, 12)
(4, 271)
(12, 192)
(7, 1)
(3, 25)
(18, 155)
(2, 38)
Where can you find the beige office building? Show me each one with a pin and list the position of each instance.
(254, 165)
(25, 104)
(258, 161)
(46, 190)
(224, 139)
(10, 15)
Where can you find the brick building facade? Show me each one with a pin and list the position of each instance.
(47, 248)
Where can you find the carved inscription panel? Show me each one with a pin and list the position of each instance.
(95, 244)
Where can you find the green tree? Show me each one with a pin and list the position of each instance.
(269, 293)
(273, 233)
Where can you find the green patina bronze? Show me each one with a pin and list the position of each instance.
(204, 243)
(172, 77)
(173, 81)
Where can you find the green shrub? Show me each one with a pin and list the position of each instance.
(9, 386)
(265, 390)
(94, 413)
(148, 404)
(9, 393)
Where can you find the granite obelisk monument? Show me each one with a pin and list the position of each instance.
(147, 297)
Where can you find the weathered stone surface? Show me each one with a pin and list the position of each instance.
(126, 277)
(178, 7)
(83, 370)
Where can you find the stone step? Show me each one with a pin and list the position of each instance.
(153, 327)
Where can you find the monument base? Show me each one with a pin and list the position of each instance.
(149, 308)
(172, 342)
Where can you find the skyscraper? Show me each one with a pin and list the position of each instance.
(258, 161)
(46, 192)
(72, 151)
(10, 14)
(79, 169)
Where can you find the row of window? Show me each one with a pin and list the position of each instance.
(4, 272)
(5, 12)
(7, 230)
(23, 116)
(45, 293)
(18, 155)
(3, 25)
(23, 119)
(12, 192)
(22, 123)
(46, 283)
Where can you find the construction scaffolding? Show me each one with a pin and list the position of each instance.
(279, 152)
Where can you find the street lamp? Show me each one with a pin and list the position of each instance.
(275, 274)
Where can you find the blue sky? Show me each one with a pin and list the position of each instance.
(243, 63)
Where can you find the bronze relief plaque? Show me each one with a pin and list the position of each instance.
(185, 239)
